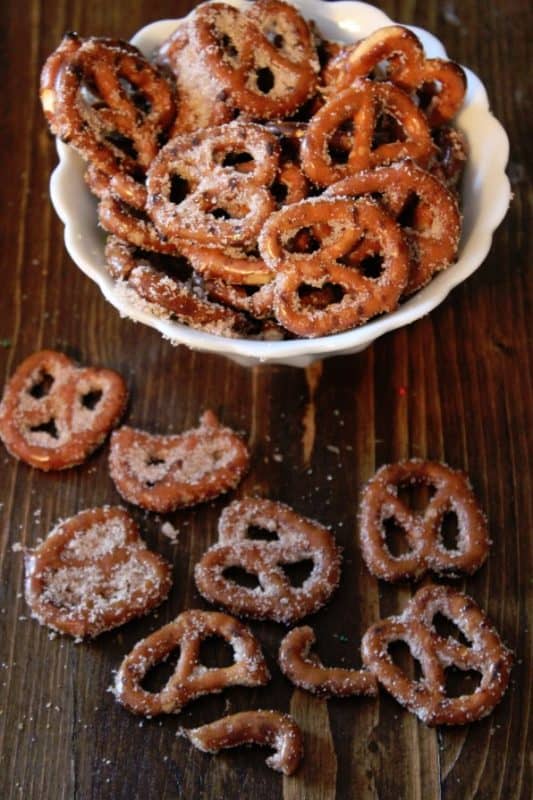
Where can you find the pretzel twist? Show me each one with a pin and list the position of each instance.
(221, 203)
(443, 81)
(485, 653)
(423, 531)
(162, 473)
(299, 539)
(361, 106)
(346, 236)
(103, 97)
(54, 414)
(425, 210)
(263, 59)
(190, 679)
(94, 572)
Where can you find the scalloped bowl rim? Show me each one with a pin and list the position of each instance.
(486, 197)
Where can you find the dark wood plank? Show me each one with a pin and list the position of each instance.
(454, 386)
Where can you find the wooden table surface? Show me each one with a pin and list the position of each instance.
(455, 386)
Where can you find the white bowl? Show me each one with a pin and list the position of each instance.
(486, 196)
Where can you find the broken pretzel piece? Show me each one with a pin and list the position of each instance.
(269, 728)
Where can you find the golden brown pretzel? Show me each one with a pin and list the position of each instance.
(347, 235)
(94, 572)
(264, 59)
(54, 414)
(162, 473)
(133, 226)
(170, 287)
(103, 97)
(119, 185)
(218, 203)
(361, 107)
(190, 679)
(485, 653)
(307, 672)
(202, 101)
(423, 530)
(298, 539)
(425, 210)
(443, 81)
(269, 728)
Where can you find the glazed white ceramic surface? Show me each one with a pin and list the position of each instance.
(486, 196)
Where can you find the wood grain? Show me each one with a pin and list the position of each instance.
(455, 386)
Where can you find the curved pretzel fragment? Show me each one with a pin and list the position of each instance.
(268, 728)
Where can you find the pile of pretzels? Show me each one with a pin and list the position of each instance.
(257, 180)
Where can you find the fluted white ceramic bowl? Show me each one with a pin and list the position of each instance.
(486, 196)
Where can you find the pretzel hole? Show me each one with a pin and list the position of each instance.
(416, 496)
(298, 573)
(341, 142)
(446, 628)
(279, 191)
(395, 538)
(371, 266)
(46, 427)
(242, 577)
(427, 93)
(320, 297)
(242, 161)
(226, 43)
(90, 93)
(449, 531)
(179, 189)
(407, 216)
(153, 460)
(275, 38)
(401, 656)
(261, 534)
(386, 131)
(460, 682)
(215, 651)
(122, 143)
(91, 399)
(138, 98)
(220, 213)
(43, 385)
(304, 241)
(157, 678)
(264, 79)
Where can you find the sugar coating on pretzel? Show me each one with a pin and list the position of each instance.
(398, 54)
(197, 191)
(168, 286)
(453, 494)
(53, 413)
(305, 670)
(425, 209)
(484, 653)
(264, 59)
(268, 728)
(298, 539)
(348, 237)
(202, 100)
(361, 105)
(92, 573)
(240, 115)
(162, 473)
(106, 100)
(190, 679)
